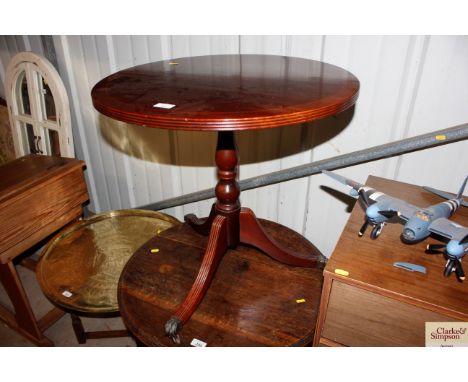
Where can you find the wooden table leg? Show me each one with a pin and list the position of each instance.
(217, 246)
(82, 335)
(24, 316)
(202, 226)
(78, 328)
(251, 232)
(325, 298)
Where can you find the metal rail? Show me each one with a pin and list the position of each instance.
(419, 142)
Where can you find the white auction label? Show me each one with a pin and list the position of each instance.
(198, 343)
(164, 105)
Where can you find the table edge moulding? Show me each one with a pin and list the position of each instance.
(226, 93)
(329, 91)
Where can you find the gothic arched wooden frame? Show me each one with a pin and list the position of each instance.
(36, 122)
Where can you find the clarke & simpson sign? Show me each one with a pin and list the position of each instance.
(446, 334)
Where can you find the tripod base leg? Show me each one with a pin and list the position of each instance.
(217, 246)
(251, 232)
(202, 226)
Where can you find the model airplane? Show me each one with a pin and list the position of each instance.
(420, 222)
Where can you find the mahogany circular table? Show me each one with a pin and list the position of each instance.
(226, 93)
(253, 300)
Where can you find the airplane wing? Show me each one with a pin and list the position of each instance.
(405, 210)
(448, 229)
(444, 194)
(347, 182)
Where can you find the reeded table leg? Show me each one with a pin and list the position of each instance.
(217, 246)
(224, 230)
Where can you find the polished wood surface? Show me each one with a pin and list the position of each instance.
(25, 172)
(38, 196)
(251, 300)
(381, 294)
(226, 92)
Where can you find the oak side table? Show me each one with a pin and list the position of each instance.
(378, 304)
(226, 93)
(38, 195)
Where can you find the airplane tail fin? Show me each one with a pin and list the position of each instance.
(462, 189)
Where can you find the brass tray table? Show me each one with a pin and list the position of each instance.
(79, 269)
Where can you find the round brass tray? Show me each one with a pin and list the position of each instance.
(79, 268)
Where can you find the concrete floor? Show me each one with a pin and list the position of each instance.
(61, 333)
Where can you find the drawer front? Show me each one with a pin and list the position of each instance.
(40, 207)
(356, 317)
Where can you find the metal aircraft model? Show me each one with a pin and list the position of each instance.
(419, 222)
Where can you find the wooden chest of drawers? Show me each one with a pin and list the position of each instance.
(378, 304)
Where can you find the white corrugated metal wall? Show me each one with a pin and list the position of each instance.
(409, 85)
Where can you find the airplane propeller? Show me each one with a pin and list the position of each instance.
(377, 227)
(364, 226)
(365, 198)
(454, 264)
(435, 249)
(453, 259)
(366, 202)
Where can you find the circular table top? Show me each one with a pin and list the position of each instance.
(226, 92)
(79, 269)
(253, 300)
